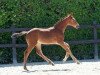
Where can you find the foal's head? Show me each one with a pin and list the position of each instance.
(72, 22)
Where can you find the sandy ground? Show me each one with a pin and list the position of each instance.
(85, 68)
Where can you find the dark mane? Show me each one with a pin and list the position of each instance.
(58, 21)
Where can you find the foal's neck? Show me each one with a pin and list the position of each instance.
(61, 25)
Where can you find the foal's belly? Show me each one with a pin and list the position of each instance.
(47, 39)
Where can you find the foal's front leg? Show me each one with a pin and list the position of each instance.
(68, 52)
(39, 52)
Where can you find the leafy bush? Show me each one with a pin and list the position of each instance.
(5, 55)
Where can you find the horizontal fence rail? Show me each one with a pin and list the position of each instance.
(70, 42)
(14, 45)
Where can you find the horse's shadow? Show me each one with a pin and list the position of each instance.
(48, 70)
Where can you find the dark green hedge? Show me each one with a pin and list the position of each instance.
(45, 13)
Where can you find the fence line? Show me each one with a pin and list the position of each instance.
(13, 29)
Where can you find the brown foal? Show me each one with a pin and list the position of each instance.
(53, 35)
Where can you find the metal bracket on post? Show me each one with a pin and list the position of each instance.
(95, 44)
(14, 46)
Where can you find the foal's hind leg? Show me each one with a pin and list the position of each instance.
(26, 54)
(31, 40)
(68, 52)
(39, 52)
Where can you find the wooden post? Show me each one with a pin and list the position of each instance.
(95, 44)
(14, 46)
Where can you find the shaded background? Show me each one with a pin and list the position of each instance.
(45, 13)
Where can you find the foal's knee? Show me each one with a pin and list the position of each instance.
(67, 44)
(37, 52)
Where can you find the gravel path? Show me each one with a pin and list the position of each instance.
(85, 68)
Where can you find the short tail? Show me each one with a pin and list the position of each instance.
(18, 34)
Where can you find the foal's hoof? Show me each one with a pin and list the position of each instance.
(78, 62)
(64, 60)
(52, 63)
(26, 69)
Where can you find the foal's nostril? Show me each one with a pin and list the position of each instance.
(77, 26)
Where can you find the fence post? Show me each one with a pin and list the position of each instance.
(14, 46)
(95, 44)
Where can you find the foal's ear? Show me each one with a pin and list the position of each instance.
(70, 14)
